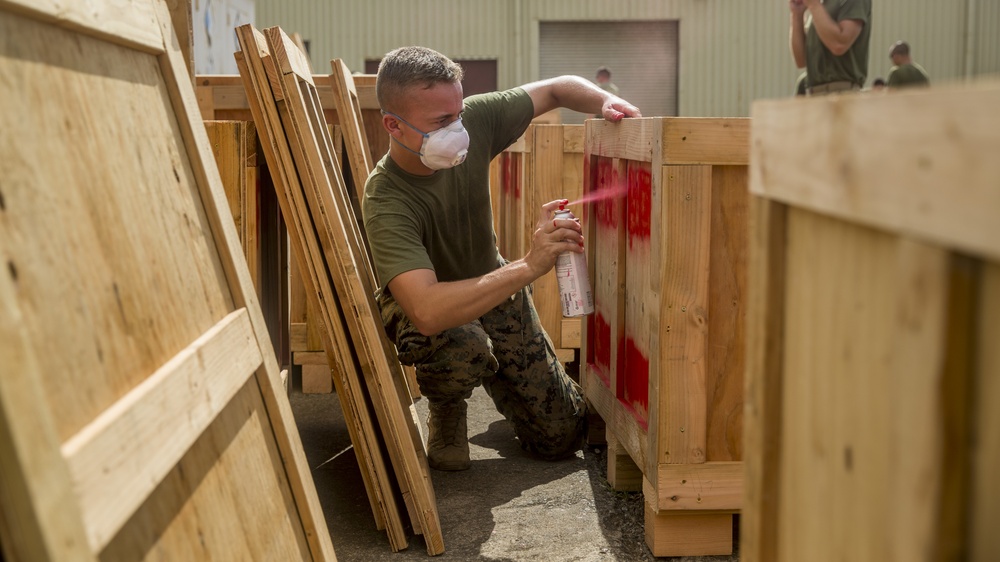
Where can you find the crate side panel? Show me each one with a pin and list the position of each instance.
(111, 247)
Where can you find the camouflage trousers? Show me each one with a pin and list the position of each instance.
(508, 352)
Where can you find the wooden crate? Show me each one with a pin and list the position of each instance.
(545, 164)
(663, 352)
(141, 408)
(872, 431)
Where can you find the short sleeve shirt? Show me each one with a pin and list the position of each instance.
(444, 221)
(822, 66)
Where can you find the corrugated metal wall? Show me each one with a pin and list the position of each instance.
(731, 51)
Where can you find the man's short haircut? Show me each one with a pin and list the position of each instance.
(901, 48)
(604, 70)
(412, 66)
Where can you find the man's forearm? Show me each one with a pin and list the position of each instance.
(831, 32)
(797, 40)
(446, 305)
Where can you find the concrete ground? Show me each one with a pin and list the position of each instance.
(508, 507)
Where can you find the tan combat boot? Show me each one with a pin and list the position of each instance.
(447, 436)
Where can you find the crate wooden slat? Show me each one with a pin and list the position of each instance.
(662, 356)
(156, 425)
(871, 430)
(545, 164)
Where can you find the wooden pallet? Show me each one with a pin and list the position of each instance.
(872, 429)
(331, 247)
(141, 408)
(663, 352)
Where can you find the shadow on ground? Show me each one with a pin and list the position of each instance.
(507, 507)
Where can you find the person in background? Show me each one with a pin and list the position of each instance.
(905, 73)
(454, 307)
(878, 85)
(603, 79)
(830, 39)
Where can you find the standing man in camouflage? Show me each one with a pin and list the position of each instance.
(452, 305)
(905, 73)
(830, 39)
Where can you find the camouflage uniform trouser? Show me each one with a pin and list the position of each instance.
(508, 352)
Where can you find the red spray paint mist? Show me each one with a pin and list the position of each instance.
(609, 192)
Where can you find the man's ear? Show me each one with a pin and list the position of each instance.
(391, 125)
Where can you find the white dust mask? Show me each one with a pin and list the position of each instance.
(443, 148)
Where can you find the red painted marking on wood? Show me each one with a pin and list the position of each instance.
(599, 346)
(639, 205)
(635, 375)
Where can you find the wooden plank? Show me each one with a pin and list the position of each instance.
(181, 14)
(620, 424)
(863, 346)
(699, 533)
(118, 459)
(128, 23)
(40, 518)
(623, 474)
(546, 185)
(346, 258)
(316, 379)
(984, 541)
(764, 380)
(234, 146)
(123, 265)
(258, 72)
(629, 139)
(727, 283)
(227, 92)
(570, 333)
(683, 353)
(880, 161)
(705, 486)
(348, 106)
(706, 140)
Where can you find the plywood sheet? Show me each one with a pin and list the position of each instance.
(142, 408)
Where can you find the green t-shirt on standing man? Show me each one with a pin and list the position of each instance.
(822, 66)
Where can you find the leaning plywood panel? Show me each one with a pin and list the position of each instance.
(261, 78)
(141, 412)
(327, 202)
(872, 369)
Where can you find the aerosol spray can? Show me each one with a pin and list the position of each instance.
(574, 284)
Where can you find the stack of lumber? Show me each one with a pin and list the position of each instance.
(141, 409)
(328, 245)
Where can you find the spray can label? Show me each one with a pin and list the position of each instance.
(574, 284)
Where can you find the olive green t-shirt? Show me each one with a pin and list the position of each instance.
(910, 74)
(444, 221)
(823, 66)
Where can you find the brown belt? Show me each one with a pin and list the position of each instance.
(831, 87)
